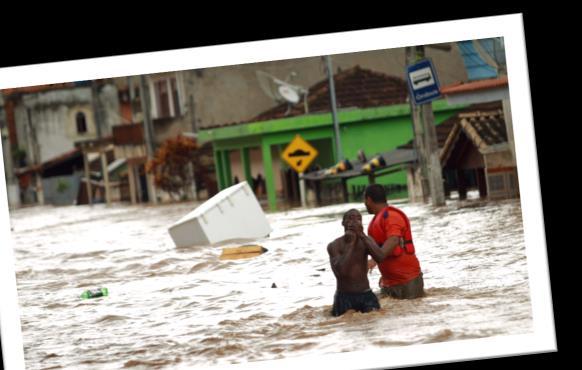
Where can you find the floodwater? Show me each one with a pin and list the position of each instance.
(171, 307)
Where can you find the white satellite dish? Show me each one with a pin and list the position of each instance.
(289, 94)
(281, 91)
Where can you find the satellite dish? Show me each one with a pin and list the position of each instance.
(289, 94)
(281, 91)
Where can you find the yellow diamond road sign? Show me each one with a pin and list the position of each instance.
(299, 154)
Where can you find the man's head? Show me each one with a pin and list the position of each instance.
(352, 220)
(374, 198)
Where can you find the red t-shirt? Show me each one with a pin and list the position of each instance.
(395, 270)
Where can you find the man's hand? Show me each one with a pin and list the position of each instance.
(350, 236)
(367, 240)
(371, 265)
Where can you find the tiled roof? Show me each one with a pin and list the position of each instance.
(35, 89)
(355, 88)
(444, 129)
(488, 126)
(474, 86)
(484, 127)
(49, 163)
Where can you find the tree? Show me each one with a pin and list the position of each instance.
(171, 165)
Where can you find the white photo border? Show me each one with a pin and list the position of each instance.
(510, 27)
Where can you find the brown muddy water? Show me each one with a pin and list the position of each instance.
(170, 307)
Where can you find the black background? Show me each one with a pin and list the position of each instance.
(35, 36)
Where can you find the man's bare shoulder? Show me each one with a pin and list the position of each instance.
(335, 244)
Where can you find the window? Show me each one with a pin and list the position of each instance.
(496, 183)
(81, 122)
(167, 98)
(512, 182)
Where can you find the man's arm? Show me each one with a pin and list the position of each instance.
(333, 256)
(339, 262)
(377, 253)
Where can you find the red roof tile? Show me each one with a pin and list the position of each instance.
(474, 86)
(35, 89)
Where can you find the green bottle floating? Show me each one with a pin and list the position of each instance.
(94, 293)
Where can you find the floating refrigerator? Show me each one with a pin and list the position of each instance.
(232, 214)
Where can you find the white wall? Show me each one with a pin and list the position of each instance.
(53, 114)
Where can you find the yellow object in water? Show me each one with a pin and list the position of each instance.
(239, 256)
(244, 251)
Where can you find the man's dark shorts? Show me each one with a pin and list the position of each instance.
(413, 289)
(363, 302)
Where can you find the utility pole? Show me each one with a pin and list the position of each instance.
(428, 144)
(418, 130)
(131, 170)
(149, 135)
(437, 189)
(188, 85)
(96, 110)
(338, 144)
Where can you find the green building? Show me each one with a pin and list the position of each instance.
(373, 113)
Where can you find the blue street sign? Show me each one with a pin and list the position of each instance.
(423, 82)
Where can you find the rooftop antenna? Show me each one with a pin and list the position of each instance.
(283, 91)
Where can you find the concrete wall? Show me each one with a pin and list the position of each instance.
(53, 114)
(499, 159)
(61, 190)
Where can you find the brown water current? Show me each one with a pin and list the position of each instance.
(171, 306)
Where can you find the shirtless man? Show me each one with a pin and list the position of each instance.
(348, 257)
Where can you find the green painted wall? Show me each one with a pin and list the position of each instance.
(377, 136)
(374, 130)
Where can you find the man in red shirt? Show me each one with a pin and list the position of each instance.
(392, 247)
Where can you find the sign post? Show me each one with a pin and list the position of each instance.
(423, 82)
(424, 88)
(299, 154)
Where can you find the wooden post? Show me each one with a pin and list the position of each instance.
(481, 182)
(419, 137)
(151, 189)
(447, 189)
(132, 185)
(87, 177)
(345, 193)
(139, 188)
(433, 158)
(461, 184)
(149, 134)
(509, 128)
(39, 188)
(105, 176)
